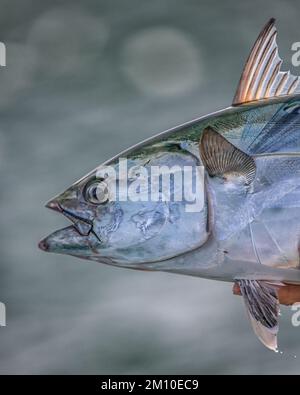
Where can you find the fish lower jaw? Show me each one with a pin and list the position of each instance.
(69, 241)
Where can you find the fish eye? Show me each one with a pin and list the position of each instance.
(96, 192)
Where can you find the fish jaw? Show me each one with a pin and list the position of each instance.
(69, 241)
(77, 239)
(75, 210)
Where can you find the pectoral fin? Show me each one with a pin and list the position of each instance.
(223, 159)
(262, 304)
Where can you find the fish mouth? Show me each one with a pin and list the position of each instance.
(76, 234)
(82, 225)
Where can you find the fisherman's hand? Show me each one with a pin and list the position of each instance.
(288, 295)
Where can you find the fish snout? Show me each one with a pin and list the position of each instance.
(54, 205)
(43, 245)
(76, 211)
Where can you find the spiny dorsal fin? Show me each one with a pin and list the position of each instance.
(262, 77)
(223, 159)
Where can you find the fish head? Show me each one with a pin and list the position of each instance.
(123, 213)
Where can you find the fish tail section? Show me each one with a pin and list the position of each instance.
(262, 305)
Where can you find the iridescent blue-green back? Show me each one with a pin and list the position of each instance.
(265, 127)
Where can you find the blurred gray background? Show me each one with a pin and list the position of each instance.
(84, 80)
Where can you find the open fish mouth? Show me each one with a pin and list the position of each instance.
(79, 237)
(82, 225)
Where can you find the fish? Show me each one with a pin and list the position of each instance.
(216, 198)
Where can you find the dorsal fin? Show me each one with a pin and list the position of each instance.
(262, 77)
